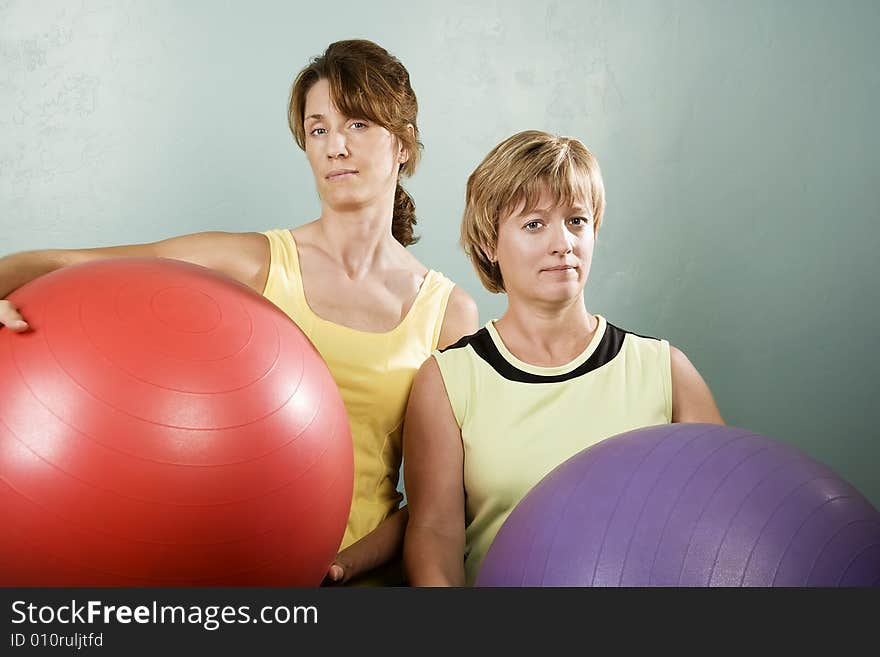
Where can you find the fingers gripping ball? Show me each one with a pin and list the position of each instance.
(688, 505)
(162, 424)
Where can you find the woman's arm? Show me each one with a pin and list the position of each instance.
(241, 256)
(433, 470)
(692, 400)
(382, 545)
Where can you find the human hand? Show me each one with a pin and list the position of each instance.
(337, 574)
(11, 318)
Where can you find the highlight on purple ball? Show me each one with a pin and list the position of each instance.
(688, 505)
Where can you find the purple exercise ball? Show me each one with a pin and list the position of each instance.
(688, 505)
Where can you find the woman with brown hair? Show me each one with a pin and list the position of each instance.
(373, 311)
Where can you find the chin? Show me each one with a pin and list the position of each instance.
(559, 293)
(343, 201)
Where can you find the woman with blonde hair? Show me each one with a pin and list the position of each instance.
(492, 414)
(373, 311)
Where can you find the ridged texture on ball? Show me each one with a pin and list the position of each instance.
(688, 505)
(162, 424)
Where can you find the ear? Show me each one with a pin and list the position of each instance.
(489, 252)
(403, 152)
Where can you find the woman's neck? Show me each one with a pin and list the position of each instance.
(359, 240)
(547, 335)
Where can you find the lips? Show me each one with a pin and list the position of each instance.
(337, 174)
(560, 268)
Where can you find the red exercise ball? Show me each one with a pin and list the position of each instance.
(163, 425)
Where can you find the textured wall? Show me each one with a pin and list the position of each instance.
(737, 139)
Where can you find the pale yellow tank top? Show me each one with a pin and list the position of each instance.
(374, 372)
(519, 421)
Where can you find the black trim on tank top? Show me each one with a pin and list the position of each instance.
(483, 345)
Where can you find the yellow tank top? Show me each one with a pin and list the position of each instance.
(519, 421)
(374, 372)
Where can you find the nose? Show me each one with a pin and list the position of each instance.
(560, 240)
(336, 147)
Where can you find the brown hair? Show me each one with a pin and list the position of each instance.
(367, 81)
(518, 170)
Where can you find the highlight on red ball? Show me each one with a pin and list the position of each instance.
(164, 425)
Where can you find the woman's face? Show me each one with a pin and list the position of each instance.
(355, 161)
(545, 255)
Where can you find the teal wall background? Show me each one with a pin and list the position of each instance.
(738, 141)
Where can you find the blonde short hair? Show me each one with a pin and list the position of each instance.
(518, 170)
